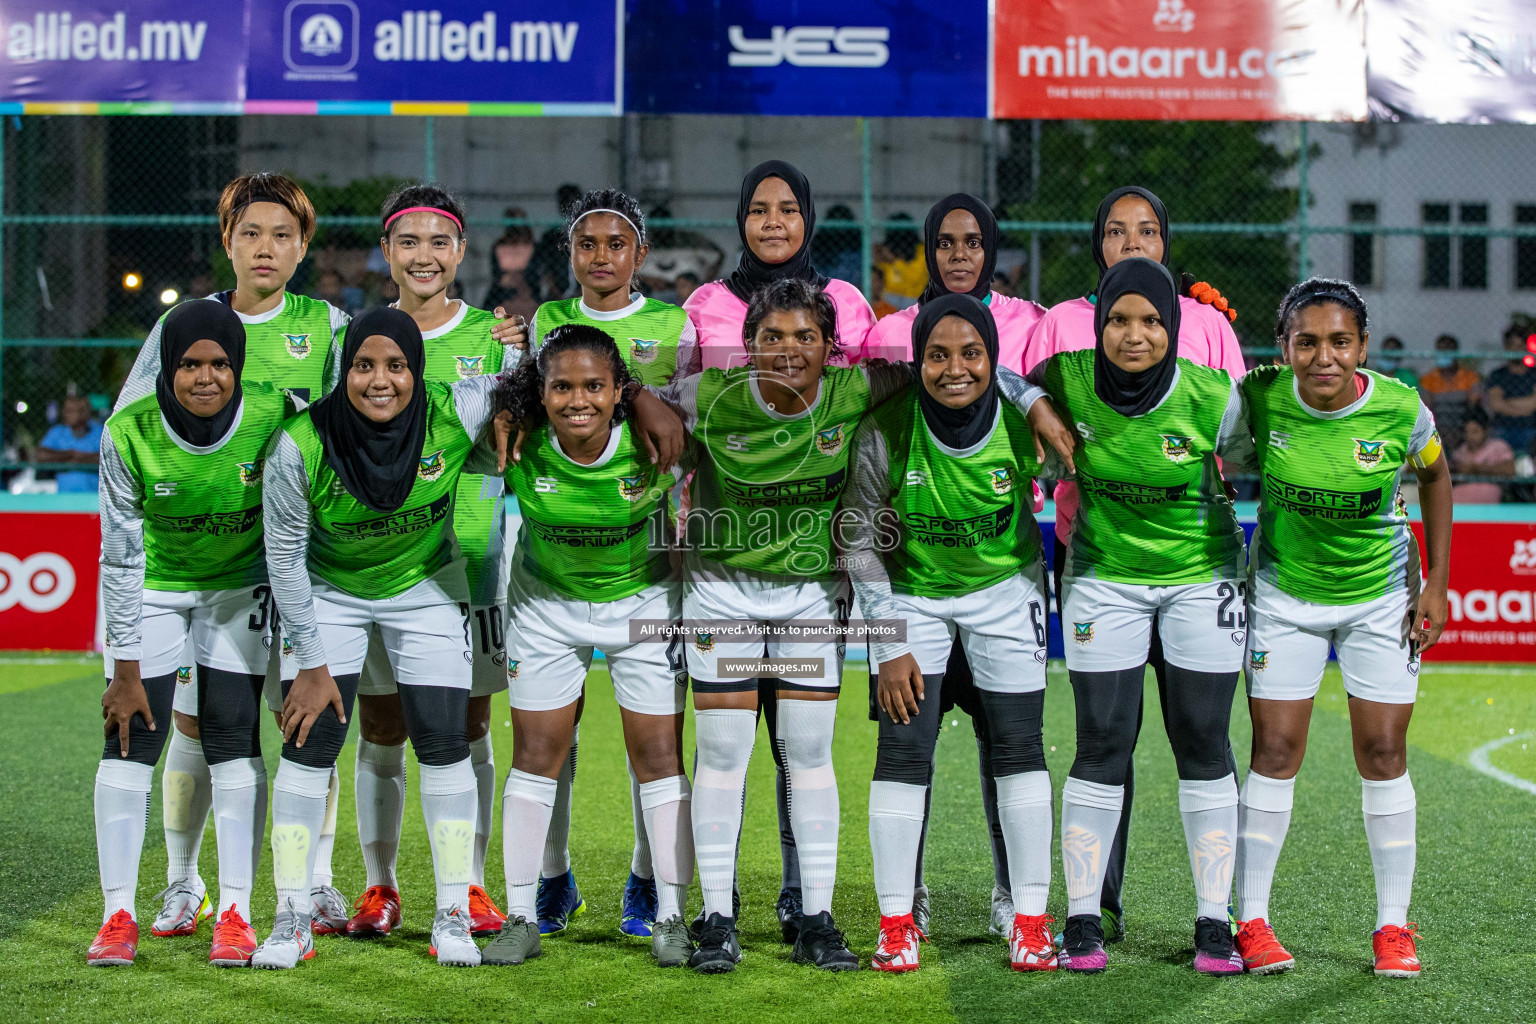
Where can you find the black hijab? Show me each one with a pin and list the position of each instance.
(988, 224)
(1132, 394)
(957, 428)
(752, 273)
(1103, 215)
(184, 327)
(377, 462)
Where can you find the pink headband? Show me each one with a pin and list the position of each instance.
(423, 209)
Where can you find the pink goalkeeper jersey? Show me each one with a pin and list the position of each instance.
(718, 315)
(1205, 337)
(1016, 319)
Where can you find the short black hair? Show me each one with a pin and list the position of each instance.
(788, 295)
(604, 199)
(1315, 291)
(421, 194)
(1450, 342)
(1392, 342)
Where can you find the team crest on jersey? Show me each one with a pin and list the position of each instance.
(250, 472)
(1002, 480)
(1258, 661)
(512, 668)
(1082, 632)
(1369, 453)
(432, 466)
(297, 345)
(1176, 447)
(184, 675)
(705, 642)
(642, 351)
(632, 488)
(830, 441)
(469, 366)
(287, 647)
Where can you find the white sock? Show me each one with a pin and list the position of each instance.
(895, 831)
(640, 860)
(298, 814)
(1090, 814)
(1391, 821)
(1024, 810)
(557, 844)
(805, 730)
(1263, 818)
(327, 841)
(239, 826)
(1209, 810)
(186, 795)
(724, 738)
(122, 808)
(526, 809)
(448, 802)
(665, 805)
(483, 760)
(380, 799)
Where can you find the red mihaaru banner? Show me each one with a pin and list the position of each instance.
(1197, 60)
(1492, 592)
(48, 572)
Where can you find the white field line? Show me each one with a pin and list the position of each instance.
(1480, 759)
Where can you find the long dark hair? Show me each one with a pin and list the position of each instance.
(522, 394)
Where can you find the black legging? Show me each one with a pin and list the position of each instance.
(1197, 709)
(229, 714)
(905, 752)
(144, 744)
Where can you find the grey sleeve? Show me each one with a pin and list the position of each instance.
(1424, 430)
(682, 393)
(146, 367)
(1017, 391)
(122, 554)
(475, 402)
(1234, 442)
(332, 375)
(866, 506)
(285, 521)
(886, 379)
(690, 357)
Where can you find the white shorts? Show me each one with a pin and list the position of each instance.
(1107, 626)
(1288, 641)
(488, 646)
(1002, 629)
(767, 603)
(223, 629)
(552, 637)
(424, 631)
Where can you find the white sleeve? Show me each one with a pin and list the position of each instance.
(475, 402)
(866, 500)
(146, 367)
(1424, 443)
(690, 357)
(285, 524)
(332, 375)
(1234, 439)
(682, 393)
(1017, 391)
(121, 501)
(886, 380)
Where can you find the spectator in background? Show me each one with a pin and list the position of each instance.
(1511, 393)
(334, 290)
(549, 269)
(512, 287)
(1480, 454)
(1450, 389)
(75, 438)
(836, 251)
(878, 303)
(1003, 286)
(1390, 362)
(903, 263)
(684, 285)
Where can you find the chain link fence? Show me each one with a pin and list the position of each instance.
(108, 220)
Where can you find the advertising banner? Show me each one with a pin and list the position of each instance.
(509, 57)
(1437, 61)
(150, 51)
(1492, 594)
(48, 573)
(1200, 60)
(908, 58)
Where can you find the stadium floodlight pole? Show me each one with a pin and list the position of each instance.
(1303, 256)
(866, 247)
(429, 141)
(1034, 198)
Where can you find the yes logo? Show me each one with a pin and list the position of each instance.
(812, 46)
(1002, 480)
(632, 488)
(1369, 453)
(297, 345)
(469, 366)
(432, 466)
(1082, 632)
(642, 351)
(1176, 447)
(830, 441)
(250, 472)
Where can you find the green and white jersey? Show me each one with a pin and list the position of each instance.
(315, 526)
(179, 518)
(295, 346)
(595, 532)
(1154, 511)
(460, 349)
(656, 339)
(1332, 526)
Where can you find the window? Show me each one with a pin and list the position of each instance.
(1437, 248)
(1525, 248)
(1362, 245)
(1473, 248)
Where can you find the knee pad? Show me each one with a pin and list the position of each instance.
(1197, 711)
(145, 745)
(905, 752)
(434, 716)
(1013, 723)
(328, 734)
(229, 714)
